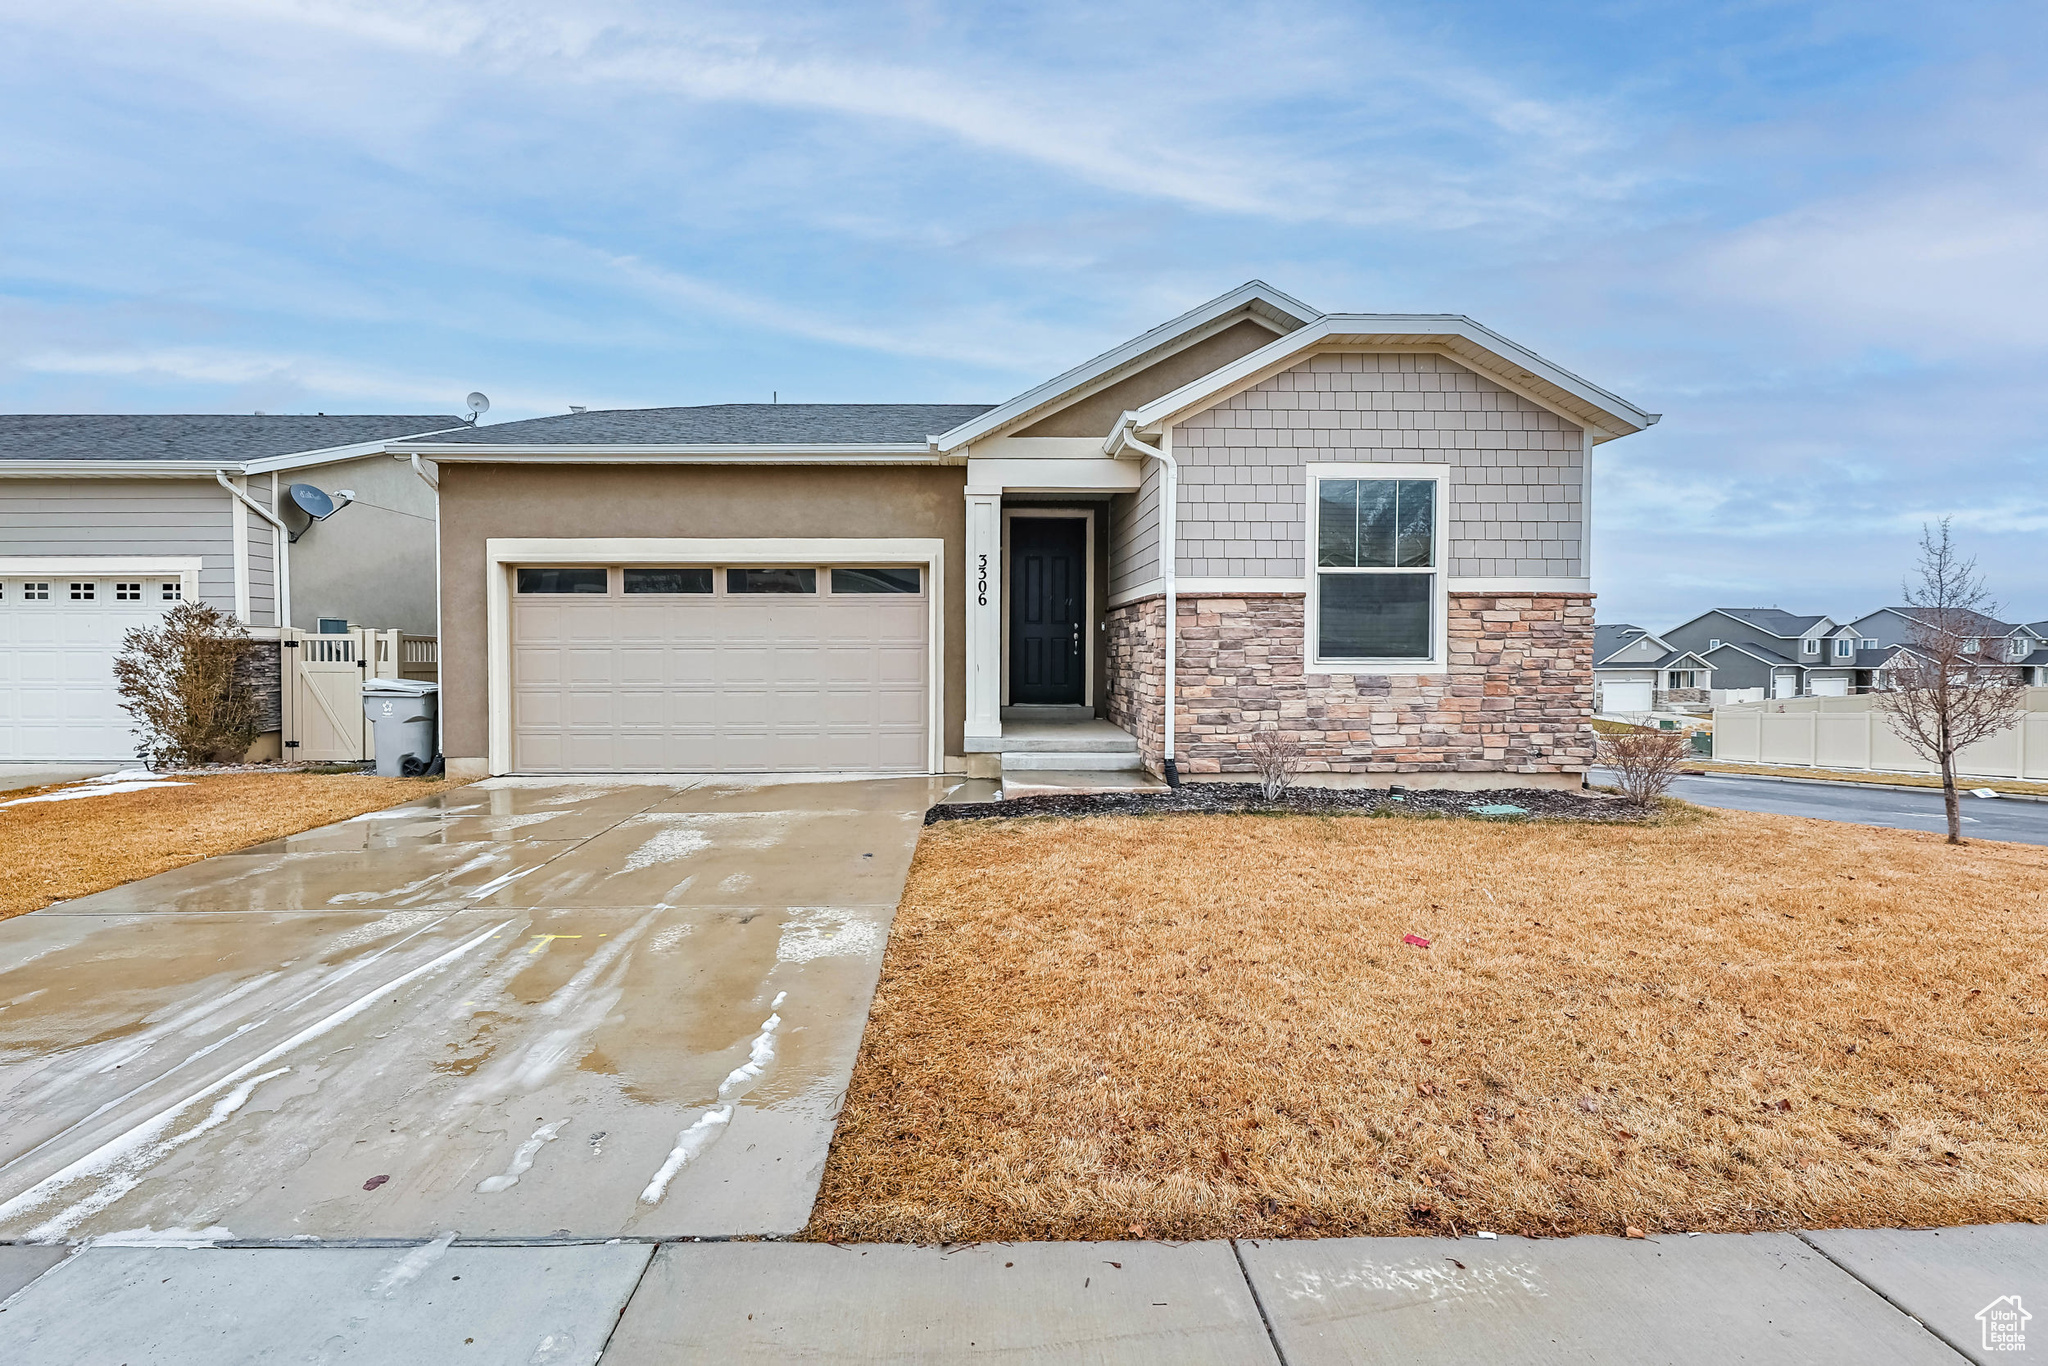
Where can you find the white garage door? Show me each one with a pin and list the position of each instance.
(58, 638)
(1620, 695)
(708, 669)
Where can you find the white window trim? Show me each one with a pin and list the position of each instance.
(1439, 656)
(1809, 646)
(502, 554)
(183, 568)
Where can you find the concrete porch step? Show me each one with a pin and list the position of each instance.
(1066, 737)
(1069, 782)
(1079, 761)
(1044, 712)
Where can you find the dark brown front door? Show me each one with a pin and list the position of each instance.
(1048, 599)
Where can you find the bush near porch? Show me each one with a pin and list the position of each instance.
(1205, 1026)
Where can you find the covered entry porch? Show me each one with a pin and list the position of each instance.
(1038, 667)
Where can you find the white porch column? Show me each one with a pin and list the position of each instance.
(984, 590)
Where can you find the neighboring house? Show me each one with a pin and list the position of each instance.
(1635, 671)
(106, 521)
(1759, 652)
(1373, 526)
(2027, 648)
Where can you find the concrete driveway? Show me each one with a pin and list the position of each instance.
(530, 1008)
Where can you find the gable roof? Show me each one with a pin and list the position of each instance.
(1478, 348)
(1988, 625)
(1611, 640)
(204, 440)
(897, 427)
(1757, 652)
(1770, 620)
(1253, 298)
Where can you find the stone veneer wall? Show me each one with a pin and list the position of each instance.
(1517, 700)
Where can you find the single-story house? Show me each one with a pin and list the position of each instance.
(1635, 671)
(1366, 531)
(108, 520)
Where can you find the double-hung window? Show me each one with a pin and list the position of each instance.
(1376, 599)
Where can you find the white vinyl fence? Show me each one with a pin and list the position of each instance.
(321, 686)
(1849, 733)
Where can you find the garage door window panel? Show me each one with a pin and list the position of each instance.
(852, 581)
(668, 582)
(771, 580)
(555, 579)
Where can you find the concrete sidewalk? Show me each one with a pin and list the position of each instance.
(1849, 1296)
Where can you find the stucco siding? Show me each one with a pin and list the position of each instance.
(133, 518)
(479, 502)
(1515, 502)
(372, 562)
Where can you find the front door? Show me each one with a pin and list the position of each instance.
(1048, 599)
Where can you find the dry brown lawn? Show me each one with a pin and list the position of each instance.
(1203, 1026)
(53, 851)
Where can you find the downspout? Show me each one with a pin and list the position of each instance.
(1169, 497)
(283, 605)
(432, 479)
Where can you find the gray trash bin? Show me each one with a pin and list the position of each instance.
(401, 713)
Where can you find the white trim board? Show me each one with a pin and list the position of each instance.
(1249, 294)
(501, 554)
(1525, 372)
(184, 568)
(1191, 587)
(629, 453)
(1439, 660)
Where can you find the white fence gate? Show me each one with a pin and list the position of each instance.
(1849, 733)
(321, 687)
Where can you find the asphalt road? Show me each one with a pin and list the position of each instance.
(1996, 818)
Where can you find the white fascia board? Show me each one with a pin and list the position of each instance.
(1047, 475)
(623, 454)
(114, 469)
(1328, 330)
(1252, 291)
(327, 455)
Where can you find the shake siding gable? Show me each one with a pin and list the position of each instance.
(1514, 499)
(1134, 534)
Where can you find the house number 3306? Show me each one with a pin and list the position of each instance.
(981, 583)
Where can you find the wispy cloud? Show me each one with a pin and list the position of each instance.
(1809, 233)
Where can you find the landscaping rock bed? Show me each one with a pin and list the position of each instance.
(1539, 803)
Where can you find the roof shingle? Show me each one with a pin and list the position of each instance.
(202, 438)
(731, 424)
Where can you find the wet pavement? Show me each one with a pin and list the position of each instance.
(526, 1009)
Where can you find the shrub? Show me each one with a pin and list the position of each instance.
(1277, 758)
(182, 682)
(1644, 762)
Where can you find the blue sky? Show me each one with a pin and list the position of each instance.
(1812, 235)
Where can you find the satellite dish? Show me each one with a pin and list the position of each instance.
(317, 504)
(479, 404)
(312, 501)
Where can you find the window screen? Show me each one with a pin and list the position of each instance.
(563, 580)
(771, 580)
(668, 580)
(1375, 553)
(876, 581)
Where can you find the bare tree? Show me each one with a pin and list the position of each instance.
(1644, 761)
(1949, 688)
(1277, 757)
